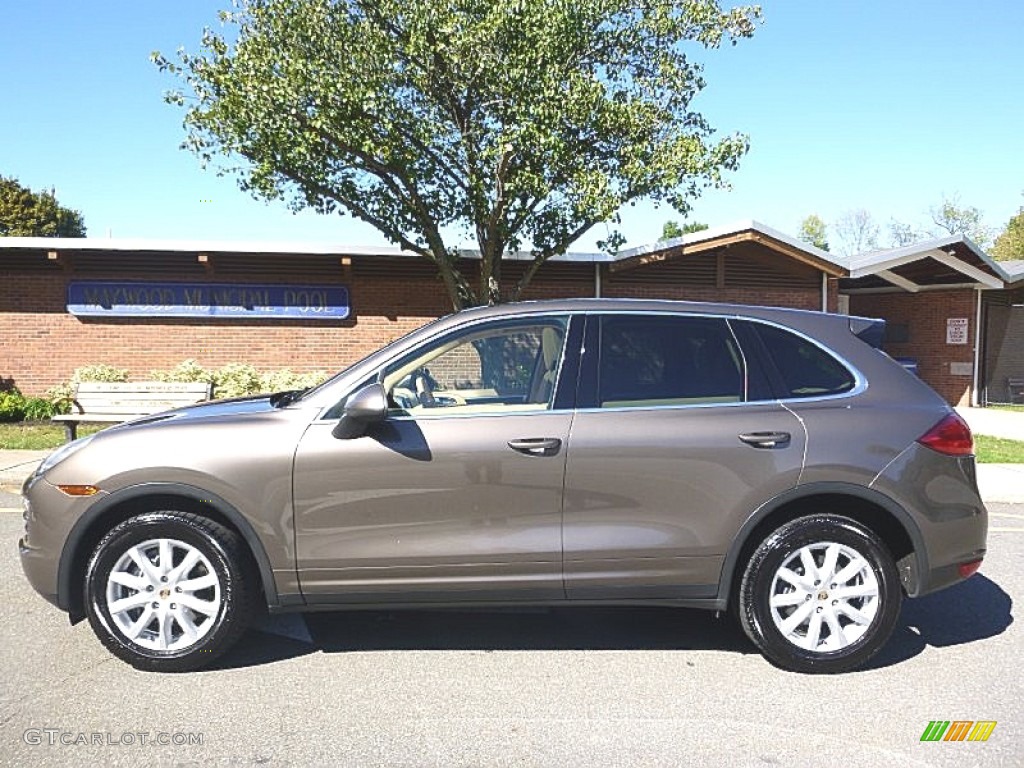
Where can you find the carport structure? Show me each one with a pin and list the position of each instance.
(934, 297)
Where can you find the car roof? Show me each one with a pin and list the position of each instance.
(800, 316)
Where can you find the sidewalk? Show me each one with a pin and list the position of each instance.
(994, 422)
(15, 466)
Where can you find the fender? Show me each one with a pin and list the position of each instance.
(65, 568)
(908, 523)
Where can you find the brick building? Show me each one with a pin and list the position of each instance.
(145, 305)
(939, 300)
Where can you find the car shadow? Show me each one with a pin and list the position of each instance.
(970, 611)
(964, 613)
(506, 629)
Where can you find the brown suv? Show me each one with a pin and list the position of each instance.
(771, 462)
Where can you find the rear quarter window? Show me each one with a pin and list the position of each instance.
(804, 368)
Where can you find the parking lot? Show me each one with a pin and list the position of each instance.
(568, 687)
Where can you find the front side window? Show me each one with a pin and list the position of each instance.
(494, 368)
(648, 361)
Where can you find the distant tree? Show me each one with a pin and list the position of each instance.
(901, 234)
(952, 218)
(857, 232)
(814, 231)
(672, 229)
(24, 213)
(1010, 244)
(524, 123)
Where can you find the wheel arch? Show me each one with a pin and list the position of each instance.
(888, 519)
(118, 506)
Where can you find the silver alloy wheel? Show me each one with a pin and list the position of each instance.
(824, 597)
(163, 594)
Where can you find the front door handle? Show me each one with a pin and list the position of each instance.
(766, 439)
(536, 446)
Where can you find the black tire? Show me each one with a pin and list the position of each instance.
(221, 554)
(856, 640)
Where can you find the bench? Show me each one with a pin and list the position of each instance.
(96, 401)
(1015, 388)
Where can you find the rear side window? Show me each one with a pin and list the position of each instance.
(804, 368)
(649, 361)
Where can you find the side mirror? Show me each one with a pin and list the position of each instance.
(363, 408)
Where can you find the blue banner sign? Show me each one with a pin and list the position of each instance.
(146, 299)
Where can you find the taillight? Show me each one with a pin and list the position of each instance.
(950, 436)
(966, 570)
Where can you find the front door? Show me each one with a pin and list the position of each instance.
(457, 495)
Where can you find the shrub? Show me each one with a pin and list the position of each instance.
(39, 408)
(280, 381)
(100, 372)
(236, 380)
(12, 405)
(187, 371)
(231, 380)
(60, 395)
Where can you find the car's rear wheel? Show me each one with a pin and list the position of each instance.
(821, 594)
(169, 591)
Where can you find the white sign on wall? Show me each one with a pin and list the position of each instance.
(956, 330)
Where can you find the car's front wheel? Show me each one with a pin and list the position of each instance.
(821, 594)
(169, 591)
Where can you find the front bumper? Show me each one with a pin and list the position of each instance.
(49, 516)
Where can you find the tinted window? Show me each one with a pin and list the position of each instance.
(652, 360)
(805, 369)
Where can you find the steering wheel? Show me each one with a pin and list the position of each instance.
(424, 393)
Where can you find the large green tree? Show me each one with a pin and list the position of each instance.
(24, 213)
(672, 229)
(521, 123)
(1010, 244)
(814, 231)
(952, 217)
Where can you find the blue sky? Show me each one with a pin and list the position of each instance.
(872, 104)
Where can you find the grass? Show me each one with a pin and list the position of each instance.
(39, 435)
(996, 450)
(1018, 408)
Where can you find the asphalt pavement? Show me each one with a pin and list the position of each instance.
(566, 687)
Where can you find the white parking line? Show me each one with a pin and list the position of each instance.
(10, 509)
(1006, 530)
(1006, 514)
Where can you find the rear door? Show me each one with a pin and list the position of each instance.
(676, 442)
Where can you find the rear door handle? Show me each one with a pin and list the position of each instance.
(536, 446)
(766, 439)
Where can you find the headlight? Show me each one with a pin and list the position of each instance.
(62, 453)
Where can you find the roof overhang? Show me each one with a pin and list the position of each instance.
(949, 262)
(723, 237)
(255, 247)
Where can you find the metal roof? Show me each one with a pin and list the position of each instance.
(147, 245)
(715, 233)
(857, 266)
(151, 245)
(872, 262)
(1014, 269)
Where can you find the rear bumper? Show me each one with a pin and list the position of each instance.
(940, 494)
